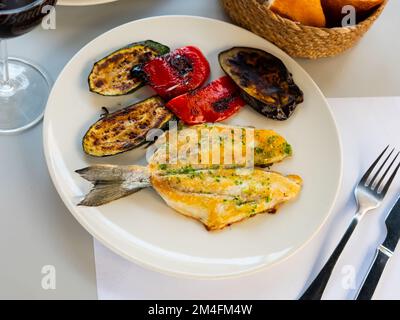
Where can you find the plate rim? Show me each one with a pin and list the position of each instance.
(167, 270)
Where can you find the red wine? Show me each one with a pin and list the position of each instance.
(26, 15)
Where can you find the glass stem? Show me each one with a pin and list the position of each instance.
(4, 62)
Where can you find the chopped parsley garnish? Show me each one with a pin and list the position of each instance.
(287, 149)
(239, 201)
(272, 139)
(185, 170)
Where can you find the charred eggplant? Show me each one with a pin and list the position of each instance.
(111, 76)
(265, 82)
(126, 129)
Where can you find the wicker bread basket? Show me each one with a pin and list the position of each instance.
(294, 38)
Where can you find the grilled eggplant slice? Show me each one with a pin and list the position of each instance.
(111, 76)
(126, 129)
(265, 82)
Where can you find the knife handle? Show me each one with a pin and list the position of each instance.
(317, 287)
(374, 274)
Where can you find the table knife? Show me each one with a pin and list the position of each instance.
(383, 254)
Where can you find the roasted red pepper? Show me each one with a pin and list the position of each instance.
(216, 102)
(177, 72)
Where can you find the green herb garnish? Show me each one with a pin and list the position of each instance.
(287, 149)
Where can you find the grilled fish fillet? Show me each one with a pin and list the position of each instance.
(216, 145)
(219, 198)
(216, 196)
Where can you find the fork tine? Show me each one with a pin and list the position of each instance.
(386, 172)
(372, 167)
(380, 169)
(389, 182)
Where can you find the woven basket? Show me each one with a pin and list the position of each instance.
(294, 38)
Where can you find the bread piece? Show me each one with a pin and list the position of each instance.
(333, 9)
(307, 12)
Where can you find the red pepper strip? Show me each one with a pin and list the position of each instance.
(216, 102)
(178, 72)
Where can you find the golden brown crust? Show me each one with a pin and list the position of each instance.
(307, 12)
(333, 9)
(230, 199)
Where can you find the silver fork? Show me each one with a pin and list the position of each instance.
(369, 194)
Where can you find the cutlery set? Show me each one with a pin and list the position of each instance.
(369, 194)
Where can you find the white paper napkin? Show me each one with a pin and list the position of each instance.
(366, 126)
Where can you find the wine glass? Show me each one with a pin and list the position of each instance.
(24, 87)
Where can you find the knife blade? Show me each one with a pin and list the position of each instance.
(383, 254)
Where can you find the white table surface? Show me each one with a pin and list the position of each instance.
(37, 230)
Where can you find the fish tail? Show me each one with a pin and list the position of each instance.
(113, 182)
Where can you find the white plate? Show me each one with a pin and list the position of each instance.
(82, 2)
(141, 227)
